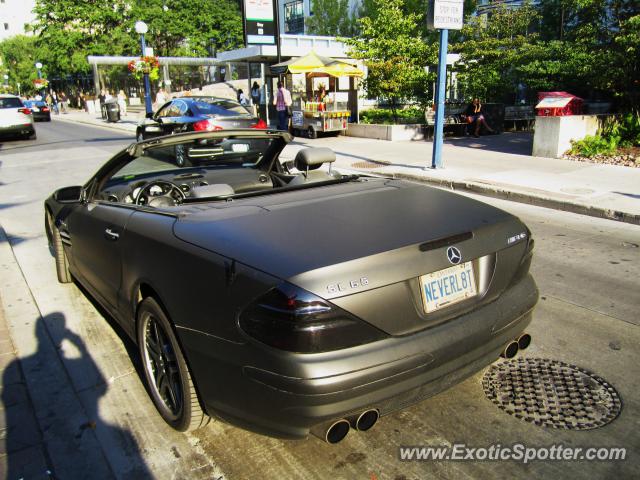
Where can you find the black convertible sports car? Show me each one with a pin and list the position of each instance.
(290, 301)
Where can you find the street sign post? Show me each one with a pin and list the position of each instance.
(259, 22)
(443, 15)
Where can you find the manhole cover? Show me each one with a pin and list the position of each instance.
(366, 164)
(551, 393)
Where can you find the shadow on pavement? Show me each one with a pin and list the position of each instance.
(67, 435)
(630, 195)
(515, 143)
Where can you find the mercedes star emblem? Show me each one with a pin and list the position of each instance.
(454, 255)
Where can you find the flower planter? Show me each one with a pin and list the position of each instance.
(412, 131)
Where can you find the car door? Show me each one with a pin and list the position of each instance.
(153, 126)
(96, 229)
(177, 119)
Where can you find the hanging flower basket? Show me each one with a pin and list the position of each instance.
(142, 65)
(40, 83)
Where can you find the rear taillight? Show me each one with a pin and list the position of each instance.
(206, 126)
(261, 125)
(44, 109)
(26, 111)
(292, 319)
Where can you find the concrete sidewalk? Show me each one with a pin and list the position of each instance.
(499, 166)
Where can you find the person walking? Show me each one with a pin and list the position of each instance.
(103, 98)
(122, 102)
(54, 97)
(255, 93)
(63, 102)
(242, 98)
(283, 102)
(475, 118)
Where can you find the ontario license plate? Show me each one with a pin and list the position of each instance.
(446, 287)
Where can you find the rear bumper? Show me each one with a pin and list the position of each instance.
(26, 129)
(284, 394)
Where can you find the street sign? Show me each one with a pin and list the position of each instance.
(259, 23)
(445, 14)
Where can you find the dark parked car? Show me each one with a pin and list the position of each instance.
(197, 114)
(291, 301)
(39, 109)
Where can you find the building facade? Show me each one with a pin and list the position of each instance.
(15, 17)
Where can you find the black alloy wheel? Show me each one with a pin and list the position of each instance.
(55, 240)
(166, 371)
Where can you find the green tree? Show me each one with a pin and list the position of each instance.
(492, 49)
(19, 55)
(395, 54)
(331, 17)
(73, 29)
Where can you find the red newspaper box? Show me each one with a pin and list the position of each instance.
(555, 104)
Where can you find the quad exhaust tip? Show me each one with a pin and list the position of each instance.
(365, 420)
(512, 348)
(524, 341)
(335, 432)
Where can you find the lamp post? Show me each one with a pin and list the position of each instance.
(39, 69)
(142, 28)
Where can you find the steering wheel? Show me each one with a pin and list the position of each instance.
(160, 193)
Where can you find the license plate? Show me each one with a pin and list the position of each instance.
(446, 287)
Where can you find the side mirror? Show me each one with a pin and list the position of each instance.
(69, 195)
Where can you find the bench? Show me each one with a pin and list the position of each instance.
(525, 114)
(452, 118)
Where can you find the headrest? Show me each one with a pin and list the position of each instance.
(312, 158)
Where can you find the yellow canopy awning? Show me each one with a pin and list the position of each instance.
(318, 65)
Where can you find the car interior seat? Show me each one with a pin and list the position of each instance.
(309, 161)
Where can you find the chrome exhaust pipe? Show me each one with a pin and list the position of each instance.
(366, 420)
(510, 350)
(332, 432)
(524, 341)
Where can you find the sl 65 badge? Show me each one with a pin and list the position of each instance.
(343, 287)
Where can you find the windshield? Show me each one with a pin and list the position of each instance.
(211, 167)
(35, 103)
(219, 107)
(10, 102)
(210, 154)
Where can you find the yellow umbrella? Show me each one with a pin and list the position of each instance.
(338, 69)
(318, 65)
(304, 64)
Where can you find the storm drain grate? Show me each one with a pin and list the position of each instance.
(551, 393)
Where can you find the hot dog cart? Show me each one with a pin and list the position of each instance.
(316, 111)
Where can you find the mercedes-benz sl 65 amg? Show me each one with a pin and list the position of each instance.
(285, 297)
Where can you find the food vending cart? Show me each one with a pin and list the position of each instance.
(315, 112)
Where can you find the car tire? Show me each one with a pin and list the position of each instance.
(311, 132)
(180, 155)
(167, 375)
(62, 263)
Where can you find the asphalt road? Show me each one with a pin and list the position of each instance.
(97, 421)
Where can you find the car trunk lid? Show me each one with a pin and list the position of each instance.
(371, 240)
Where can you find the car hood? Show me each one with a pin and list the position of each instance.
(337, 233)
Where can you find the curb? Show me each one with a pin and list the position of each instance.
(111, 126)
(521, 197)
